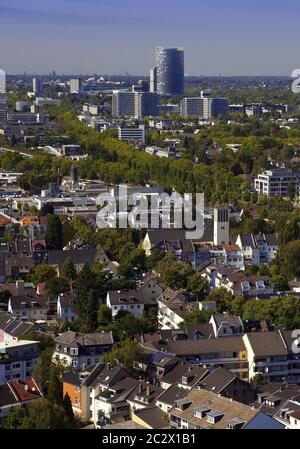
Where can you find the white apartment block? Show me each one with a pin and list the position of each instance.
(276, 182)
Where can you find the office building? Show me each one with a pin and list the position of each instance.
(192, 107)
(204, 107)
(170, 71)
(146, 104)
(153, 79)
(3, 109)
(123, 104)
(75, 85)
(37, 85)
(135, 104)
(277, 182)
(132, 134)
(219, 106)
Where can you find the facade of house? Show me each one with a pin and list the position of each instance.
(229, 353)
(127, 300)
(79, 351)
(258, 249)
(66, 307)
(172, 306)
(226, 325)
(17, 358)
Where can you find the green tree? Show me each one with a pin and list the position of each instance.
(54, 233)
(87, 299)
(196, 317)
(280, 283)
(42, 369)
(43, 414)
(55, 393)
(104, 315)
(290, 259)
(68, 270)
(67, 405)
(125, 355)
(42, 272)
(198, 286)
(15, 417)
(57, 285)
(291, 190)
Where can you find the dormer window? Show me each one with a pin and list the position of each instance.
(235, 423)
(214, 416)
(182, 404)
(273, 401)
(201, 412)
(186, 378)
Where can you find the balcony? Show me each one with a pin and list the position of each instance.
(272, 363)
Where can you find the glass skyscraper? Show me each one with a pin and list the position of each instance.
(170, 71)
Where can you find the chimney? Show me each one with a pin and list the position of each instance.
(20, 287)
(140, 388)
(190, 368)
(148, 390)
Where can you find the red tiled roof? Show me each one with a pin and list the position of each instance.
(4, 220)
(25, 390)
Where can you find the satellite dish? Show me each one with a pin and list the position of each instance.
(266, 370)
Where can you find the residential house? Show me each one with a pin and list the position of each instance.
(17, 357)
(258, 249)
(34, 225)
(88, 256)
(14, 326)
(184, 375)
(151, 418)
(18, 393)
(229, 353)
(150, 289)
(26, 303)
(166, 400)
(110, 405)
(175, 241)
(66, 307)
(267, 354)
(155, 364)
(202, 409)
(79, 351)
(100, 393)
(224, 382)
(144, 395)
(172, 306)
(241, 284)
(127, 300)
(226, 325)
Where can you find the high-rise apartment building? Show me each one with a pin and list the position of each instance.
(37, 85)
(3, 109)
(75, 85)
(170, 71)
(135, 104)
(153, 79)
(204, 106)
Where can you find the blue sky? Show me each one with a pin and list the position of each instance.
(116, 36)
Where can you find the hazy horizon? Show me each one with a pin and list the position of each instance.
(228, 37)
